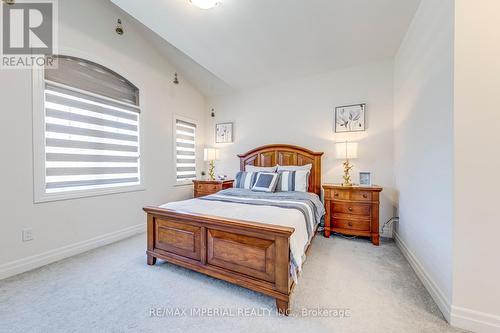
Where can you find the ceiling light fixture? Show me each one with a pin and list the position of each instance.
(205, 4)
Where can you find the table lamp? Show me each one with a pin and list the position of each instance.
(211, 155)
(346, 151)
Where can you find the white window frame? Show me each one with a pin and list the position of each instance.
(174, 139)
(39, 171)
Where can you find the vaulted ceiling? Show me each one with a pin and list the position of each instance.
(247, 43)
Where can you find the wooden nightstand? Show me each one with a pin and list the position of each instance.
(352, 210)
(207, 187)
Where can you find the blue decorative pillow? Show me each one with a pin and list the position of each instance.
(266, 182)
(245, 179)
(297, 180)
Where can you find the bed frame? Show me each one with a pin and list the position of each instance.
(249, 254)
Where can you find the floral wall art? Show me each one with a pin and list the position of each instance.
(224, 133)
(350, 118)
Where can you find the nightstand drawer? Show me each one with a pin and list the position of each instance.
(361, 225)
(198, 194)
(209, 188)
(338, 194)
(351, 208)
(361, 196)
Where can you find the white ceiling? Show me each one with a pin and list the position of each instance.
(246, 43)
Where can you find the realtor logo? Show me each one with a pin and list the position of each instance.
(28, 32)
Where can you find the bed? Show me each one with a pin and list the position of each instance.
(254, 240)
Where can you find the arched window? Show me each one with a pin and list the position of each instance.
(91, 131)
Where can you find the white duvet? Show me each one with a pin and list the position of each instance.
(263, 214)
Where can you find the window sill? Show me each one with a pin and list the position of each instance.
(86, 194)
(189, 183)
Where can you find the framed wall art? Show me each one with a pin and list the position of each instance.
(365, 178)
(350, 118)
(224, 133)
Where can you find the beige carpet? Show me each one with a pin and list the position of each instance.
(111, 289)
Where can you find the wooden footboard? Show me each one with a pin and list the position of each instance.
(252, 255)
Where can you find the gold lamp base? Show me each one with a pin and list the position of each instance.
(347, 177)
(211, 171)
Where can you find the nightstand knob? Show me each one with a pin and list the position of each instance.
(349, 224)
(336, 194)
(350, 209)
(365, 196)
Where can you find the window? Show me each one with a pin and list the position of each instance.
(89, 135)
(185, 150)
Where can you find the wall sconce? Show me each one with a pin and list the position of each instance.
(176, 79)
(119, 27)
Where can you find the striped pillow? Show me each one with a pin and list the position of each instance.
(245, 179)
(297, 180)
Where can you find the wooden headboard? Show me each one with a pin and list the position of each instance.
(272, 155)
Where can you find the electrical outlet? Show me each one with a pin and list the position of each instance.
(27, 235)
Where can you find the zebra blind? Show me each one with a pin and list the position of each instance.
(91, 141)
(185, 151)
(92, 77)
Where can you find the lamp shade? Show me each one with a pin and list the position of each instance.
(346, 150)
(211, 154)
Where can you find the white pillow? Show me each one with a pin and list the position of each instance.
(253, 168)
(307, 167)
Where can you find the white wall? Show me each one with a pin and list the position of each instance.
(65, 227)
(476, 292)
(301, 112)
(423, 136)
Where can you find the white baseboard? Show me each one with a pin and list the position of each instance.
(26, 264)
(436, 293)
(467, 319)
(474, 321)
